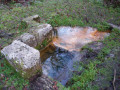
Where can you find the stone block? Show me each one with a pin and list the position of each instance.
(23, 58)
(28, 39)
(42, 32)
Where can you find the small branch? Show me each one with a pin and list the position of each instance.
(114, 26)
(114, 79)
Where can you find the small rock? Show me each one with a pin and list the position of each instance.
(3, 34)
(29, 20)
(42, 83)
(2, 75)
(112, 55)
(28, 39)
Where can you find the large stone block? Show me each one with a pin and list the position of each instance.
(28, 39)
(42, 32)
(23, 58)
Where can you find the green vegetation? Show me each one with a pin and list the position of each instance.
(43, 44)
(9, 77)
(91, 71)
(86, 47)
(61, 13)
(22, 26)
(103, 26)
(60, 20)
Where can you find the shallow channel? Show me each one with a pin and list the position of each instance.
(59, 56)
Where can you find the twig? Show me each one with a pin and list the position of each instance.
(114, 26)
(114, 79)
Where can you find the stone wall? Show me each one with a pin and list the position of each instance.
(22, 55)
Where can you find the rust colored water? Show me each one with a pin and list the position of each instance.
(58, 57)
(73, 39)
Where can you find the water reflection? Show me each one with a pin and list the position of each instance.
(58, 65)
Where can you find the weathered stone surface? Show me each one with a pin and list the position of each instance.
(28, 39)
(42, 32)
(23, 58)
(42, 83)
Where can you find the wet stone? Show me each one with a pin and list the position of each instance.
(42, 83)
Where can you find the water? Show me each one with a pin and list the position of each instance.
(59, 56)
(73, 39)
(59, 65)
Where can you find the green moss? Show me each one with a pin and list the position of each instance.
(31, 72)
(43, 44)
(38, 47)
(87, 48)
